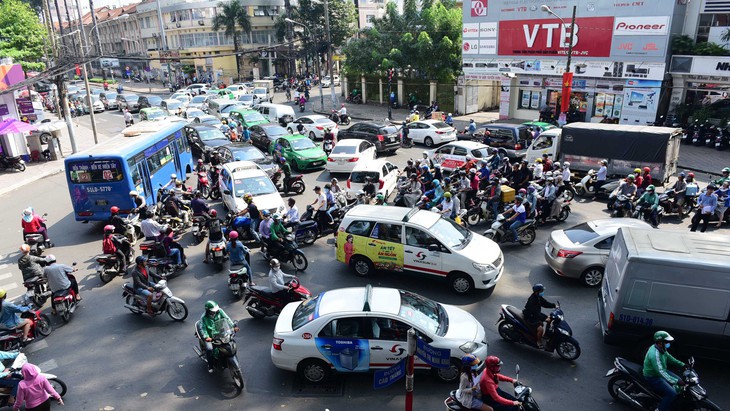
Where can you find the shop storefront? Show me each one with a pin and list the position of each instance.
(618, 60)
(699, 80)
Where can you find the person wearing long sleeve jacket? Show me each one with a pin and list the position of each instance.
(35, 390)
(655, 369)
(492, 395)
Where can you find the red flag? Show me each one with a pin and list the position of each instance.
(567, 88)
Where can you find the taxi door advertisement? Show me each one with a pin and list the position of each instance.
(346, 355)
(386, 255)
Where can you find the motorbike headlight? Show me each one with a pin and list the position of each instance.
(482, 267)
(469, 347)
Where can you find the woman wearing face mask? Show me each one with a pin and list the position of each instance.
(468, 393)
(533, 313)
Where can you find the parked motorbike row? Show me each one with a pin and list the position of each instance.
(707, 134)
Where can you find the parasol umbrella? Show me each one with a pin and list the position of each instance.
(11, 125)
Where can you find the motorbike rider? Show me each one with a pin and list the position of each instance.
(518, 216)
(530, 200)
(151, 229)
(174, 207)
(472, 127)
(278, 281)
(548, 195)
(215, 160)
(254, 214)
(30, 266)
(547, 164)
(9, 319)
(494, 196)
(319, 206)
(172, 249)
(200, 166)
(656, 373)
(329, 136)
(380, 199)
(492, 395)
(331, 202)
(277, 234)
(468, 392)
(505, 169)
(706, 205)
(120, 227)
(215, 233)
(680, 188)
(723, 202)
(199, 206)
(537, 170)
(292, 214)
(140, 204)
(238, 253)
(426, 176)
(446, 207)
(651, 199)
(170, 185)
(208, 328)
(645, 181)
(32, 223)
(533, 313)
(59, 279)
(449, 120)
(725, 177)
(628, 188)
(143, 286)
(112, 245)
(286, 169)
(601, 176)
(265, 228)
(361, 198)
(566, 173)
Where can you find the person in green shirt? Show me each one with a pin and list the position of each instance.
(286, 169)
(655, 369)
(277, 232)
(208, 328)
(725, 177)
(650, 199)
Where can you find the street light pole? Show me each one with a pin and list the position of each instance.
(567, 75)
(329, 57)
(83, 41)
(64, 105)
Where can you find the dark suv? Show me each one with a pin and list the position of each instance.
(149, 101)
(513, 138)
(384, 137)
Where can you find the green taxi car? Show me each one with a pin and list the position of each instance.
(540, 125)
(299, 151)
(152, 114)
(247, 117)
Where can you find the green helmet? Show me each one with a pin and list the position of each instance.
(211, 306)
(630, 176)
(662, 336)
(726, 170)
(447, 194)
(380, 197)
(651, 188)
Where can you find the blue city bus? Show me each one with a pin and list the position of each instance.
(141, 158)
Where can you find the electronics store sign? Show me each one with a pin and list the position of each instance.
(710, 66)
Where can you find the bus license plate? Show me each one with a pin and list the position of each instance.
(102, 202)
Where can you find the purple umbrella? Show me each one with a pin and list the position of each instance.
(11, 125)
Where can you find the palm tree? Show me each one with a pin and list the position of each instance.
(233, 19)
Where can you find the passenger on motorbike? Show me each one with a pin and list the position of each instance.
(215, 232)
(278, 280)
(533, 313)
(331, 202)
(446, 207)
(237, 252)
(494, 196)
(172, 249)
(547, 165)
(140, 204)
(505, 168)
(143, 286)
(650, 199)
(320, 207)
(518, 216)
(492, 395)
(170, 185)
(32, 223)
(468, 393)
(548, 195)
(208, 330)
(680, 188)
(254, 214)
(9, 319)
(638, 179)
(111, 245)
(426, 176)
(30, 266)
(656, 373)
(59, 279)
(199, 206)
(537, 171)
(335, 186)
(530, 200)
(723, 201)
(645, 181)
(151, 229)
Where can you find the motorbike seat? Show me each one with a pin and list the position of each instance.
(104, 257)
(128, 287)
(32, 280)
(236, 267)
(4, 333)
(634, 369)
(262, 289)
(61, 293)
(148, 244)
(529, 221)
(517, 313)
(198, 218)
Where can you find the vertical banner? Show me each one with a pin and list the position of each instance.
(565, 95)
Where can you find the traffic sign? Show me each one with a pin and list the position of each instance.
(435, 357)
(388, 376)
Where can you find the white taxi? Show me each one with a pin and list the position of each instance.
(361, 329)
(431, 132)
(454, 155)
(240, 177)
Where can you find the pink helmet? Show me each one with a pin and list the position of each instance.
(108, 228)
(233, 235)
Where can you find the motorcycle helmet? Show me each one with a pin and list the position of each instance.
(662, 336)
(380, 197)
(726, 170)
(211, 306)
(437, 165)
(247, 197)
(493, 363)
(274, 264)
(523, 191)
(50, 258)
(24, 248)
(265, 213)
(233, 235)
(518, 199)
(691, 175)
(425, 198)
(604, 162)
(282, 160)
(436, 183)
(133, 193)
(637, 170)
(360, 193)
(276, 216)
(200, 161)
(140, 259)
(108, 228)
(682, 175)
(539, 160)
(647, 170)
(472, 171)
(213, 213)
(566, 164)
(424, 166)
(531, 189)
(556, 164)
(173, 176)
(469, 360)
(334, 181)
(650, 188)
(28, 215)
(447, 194)
(3, 293)
(538, 287)
(630, 177)
(447, 180)
(114, 210)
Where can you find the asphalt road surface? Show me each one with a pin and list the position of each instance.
(114, 360)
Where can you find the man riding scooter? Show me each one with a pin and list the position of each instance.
(650, 199)
(208, 328)
(656, 373)
(278, 280)
(492, 395)
(533, 313)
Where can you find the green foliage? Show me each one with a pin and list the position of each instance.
(21, 35)
(232, 18)
(342, 16)
(422, 44)
(101, 80)
(710, 49)
(682, 44)
(685, 45)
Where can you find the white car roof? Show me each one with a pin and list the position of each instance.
(469, 145)
(610, 226)
(314, 117)
(355, 142)
(375, 165)
(380, 299)
(429, 121)
(243, 169)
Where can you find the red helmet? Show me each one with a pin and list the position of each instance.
(647, 170)
(523, 191)
(114, 210)
(233, 235)
(108, 228)
(691, 175)
(213, 213)
(493, 363)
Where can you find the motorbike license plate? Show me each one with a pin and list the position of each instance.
(717, 144)
(217, 253)
(234, 286)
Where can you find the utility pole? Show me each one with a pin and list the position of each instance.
(89, 100)
(410, 364)
(164, 41)
(54, 50)
(329, 56)
(94, 23)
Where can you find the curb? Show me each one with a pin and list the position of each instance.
(698, 170)
(351, 117)
(48, 173)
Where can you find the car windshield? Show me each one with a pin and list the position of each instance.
(580, 233)
(253, 117)
(249, 154)
(361, 177)
(198, 99)
(450, 234)
(420, 311)
(302, 144)
(388, 130)
(181, 97)
(246, 97)
(276, 131)
(131, 97)
(229, 108)
(194, 113)
(211, 134)
(258, 185)
(304, 313)
(480, 152)
(441, 124)
(342, 149)
(154, 100)
(323, 121)
(110, 96)
(155, 114)
(259, 91)
(172, 105)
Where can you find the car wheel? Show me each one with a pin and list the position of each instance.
(461, 283)
(428, 142)
(290, 131)
(314, 370)
(312, 136)
(592, 277)
(45, 138)
(450, 374)
(362, 266)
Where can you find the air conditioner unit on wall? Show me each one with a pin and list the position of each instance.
(178, 25)
(201, 22)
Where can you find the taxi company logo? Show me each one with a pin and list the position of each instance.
(479, 8)
(397, 351)
(421, 256)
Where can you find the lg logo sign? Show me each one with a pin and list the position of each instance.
(479, 8)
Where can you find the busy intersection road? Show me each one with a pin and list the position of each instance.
(114, 360)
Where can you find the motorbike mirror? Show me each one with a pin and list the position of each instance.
(433, 247)
(691, 362)
(517, 371)
(45, 214)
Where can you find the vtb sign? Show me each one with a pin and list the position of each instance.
(546, 37)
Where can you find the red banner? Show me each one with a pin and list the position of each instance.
(548, 37)
(78, 70)
(566, 92)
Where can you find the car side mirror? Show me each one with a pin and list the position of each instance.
(227, 192)
(433, 247)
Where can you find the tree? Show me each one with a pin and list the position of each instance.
(22, 36)
(233, 20)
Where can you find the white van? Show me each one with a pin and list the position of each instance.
(419, 241)
(221, 107)
(546, 143)
(277, 113)
(667, 280)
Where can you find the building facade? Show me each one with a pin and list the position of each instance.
(620, 53)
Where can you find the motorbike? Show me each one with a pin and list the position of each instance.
(65, 302)
(628, 386)
(108, 265)
(722, 141)
(499, 231)
(287, 251)
(301, 107)
(619, 204)
(152, 249)
(711, 136)
(480, 211)
(218, 252)
(199, 228)
(588, 185)
(523, 394)
(691, 132)
(36, 289)
(513, 327)
(15, 374)
(213, 176)
(203, 184)
(163, 268)
(698, 138)
(559, 211)
(162, 302)
(668, 206)
(643, 212)
(338, 119)
(240, 224)
(37, 240)
(355, 99)
(12, 163)
(305, 232)
(132, 228)
(327, 146)
(224, 351)
(40, 326)
(322, 226)
(260, 302)
(237, 279)
(296, 184)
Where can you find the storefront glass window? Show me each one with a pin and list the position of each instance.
(529, 100)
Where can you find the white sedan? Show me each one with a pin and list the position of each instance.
(314, 126)
(361, 329)
(431, 132)
(347, 154)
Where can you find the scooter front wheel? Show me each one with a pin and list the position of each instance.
(568, 349)
(580, 191)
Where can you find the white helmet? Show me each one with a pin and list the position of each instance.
(566, 164)
(556, 164)
(133, 193)
(360, 193)
(173, 176)
(548, 174)
(550, 179)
